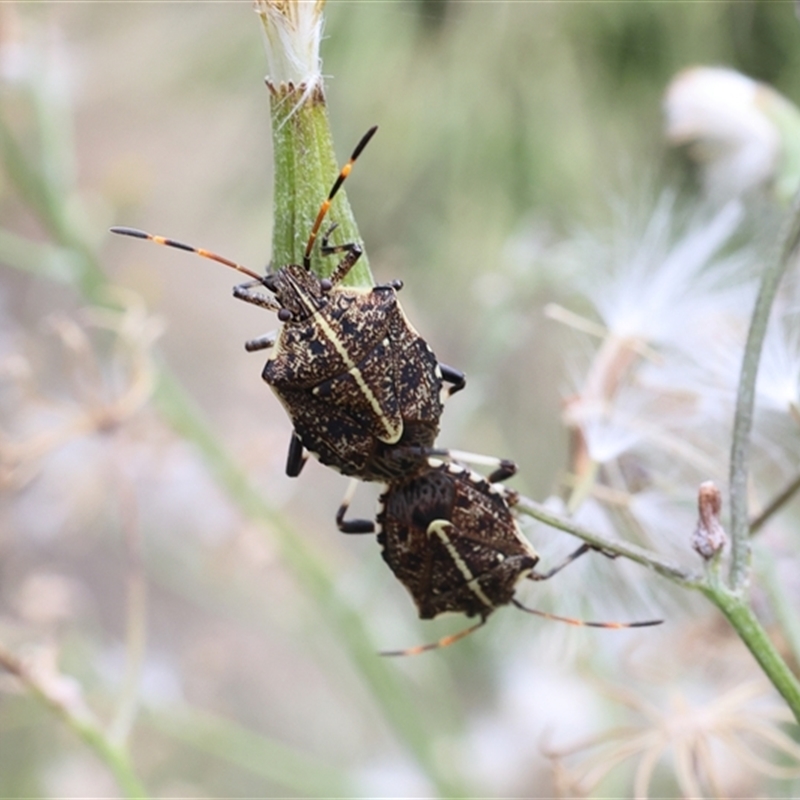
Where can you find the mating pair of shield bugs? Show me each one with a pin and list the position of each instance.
(365, 394)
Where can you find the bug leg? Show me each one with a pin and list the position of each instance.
(395, 285)
(503, 467)
(262, 342)
(351, 250)
(504, 471)
(244, 291)
(247, 285)
(296, 458)
(584, 548)
(352, 525)
(543, 576)
(454, 376)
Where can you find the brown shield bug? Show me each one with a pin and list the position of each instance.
(449, 536)
(362, 388)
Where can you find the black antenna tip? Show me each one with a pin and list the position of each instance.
(364, 141)
(130, 232)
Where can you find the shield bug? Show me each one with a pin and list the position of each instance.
(362, 388)
(449, 536)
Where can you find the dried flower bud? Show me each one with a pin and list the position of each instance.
(709, 536)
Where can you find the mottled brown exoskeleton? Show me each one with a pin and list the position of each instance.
(449, 536)
(362, 388)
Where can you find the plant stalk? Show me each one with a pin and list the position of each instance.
(730, 603)
(751, 632)
(659, 564)
(739, 576)
(305, 169)
(77, 717)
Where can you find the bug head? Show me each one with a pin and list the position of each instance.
(298, 292)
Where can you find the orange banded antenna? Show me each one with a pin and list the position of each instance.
(337, 184)
(583, 623)
(446, 641)
(137, 234)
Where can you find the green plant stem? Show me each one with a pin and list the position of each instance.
(784, 609)
(745, 398)
(79, 719)
(259, 755)
(775, 505)
(41, 259)
(676, 573)
(136, 613)
(750, 631)
(305, 168)
(115, 757)
(51, 206)
(730, 603)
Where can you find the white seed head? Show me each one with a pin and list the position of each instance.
(662, 268)
(293, 30)
(722, 116)
(651, 378)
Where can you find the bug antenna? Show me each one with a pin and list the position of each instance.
(584, 623)
(137, 234)
(337, 184)
(445, 641)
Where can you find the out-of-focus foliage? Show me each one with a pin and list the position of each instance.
(507, 130)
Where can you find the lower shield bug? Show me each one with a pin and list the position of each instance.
(449, 536)
(362, 388)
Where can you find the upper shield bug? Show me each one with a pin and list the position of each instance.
(362, 388)
(449, 536)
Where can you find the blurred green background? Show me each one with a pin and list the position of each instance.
(503, 127)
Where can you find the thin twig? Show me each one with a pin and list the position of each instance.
(782, 604)
(732, 604)
(775, 505)
(661, 565)
(745, 397)
(136, 612)
(57, 692)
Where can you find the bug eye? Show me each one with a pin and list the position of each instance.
(284, 315)
(325, 284)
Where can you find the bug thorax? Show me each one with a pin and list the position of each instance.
(422, 501)
(298, 291)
